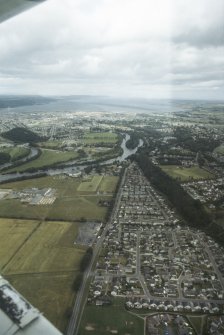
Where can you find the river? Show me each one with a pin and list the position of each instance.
(33, 152)
(74, 166)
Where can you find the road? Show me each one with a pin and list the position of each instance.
(80, 298)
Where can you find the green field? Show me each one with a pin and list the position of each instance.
(74, 201)
(43, 251)
(220, 150)
(198, 322)
(41, 261)
(108, 184)
(185, 174)
(16, 152)
(104, 137)
(90, 185)
(47, 158)
(110, 320)
(50, 293)
(39, 257)
(13, 234)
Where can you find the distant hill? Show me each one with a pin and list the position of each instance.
(12, 101)
(22, 135)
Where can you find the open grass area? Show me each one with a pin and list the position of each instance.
(104, 137)
(90, 185)
(197, 322)
(76, 198)
(41, 261)
(14, 208)
(42, 252)
(108, 184)
(185, 174)
(50, 293)
(110, 320)
(78, 208)
(64, 185)
(16, 152)
(47, 158)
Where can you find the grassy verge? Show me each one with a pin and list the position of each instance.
(108, 320)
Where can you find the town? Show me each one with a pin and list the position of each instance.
(134, 195)
(152, 260)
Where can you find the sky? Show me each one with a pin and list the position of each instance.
(129, 48)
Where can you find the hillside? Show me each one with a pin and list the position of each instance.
(22, 135)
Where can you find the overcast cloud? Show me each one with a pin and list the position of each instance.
(146, 48)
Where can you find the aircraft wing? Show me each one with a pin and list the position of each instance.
(10, 8)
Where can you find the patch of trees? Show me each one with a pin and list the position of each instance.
(187, 139)
(191, 210)
(100, 144)
(4, 158)
(88, 169)
(133, 141)
(22, 135)
(112, 202)
(81, 153)
(169, 161)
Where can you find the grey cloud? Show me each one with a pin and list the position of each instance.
(202, 38)
(112, 47)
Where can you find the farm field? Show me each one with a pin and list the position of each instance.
(76, 198)
(13, 233)
(79, 208)
(41, 262)
(47, 158)
(185, 174)
(43, 252)
(104, 137)
(110, 320)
